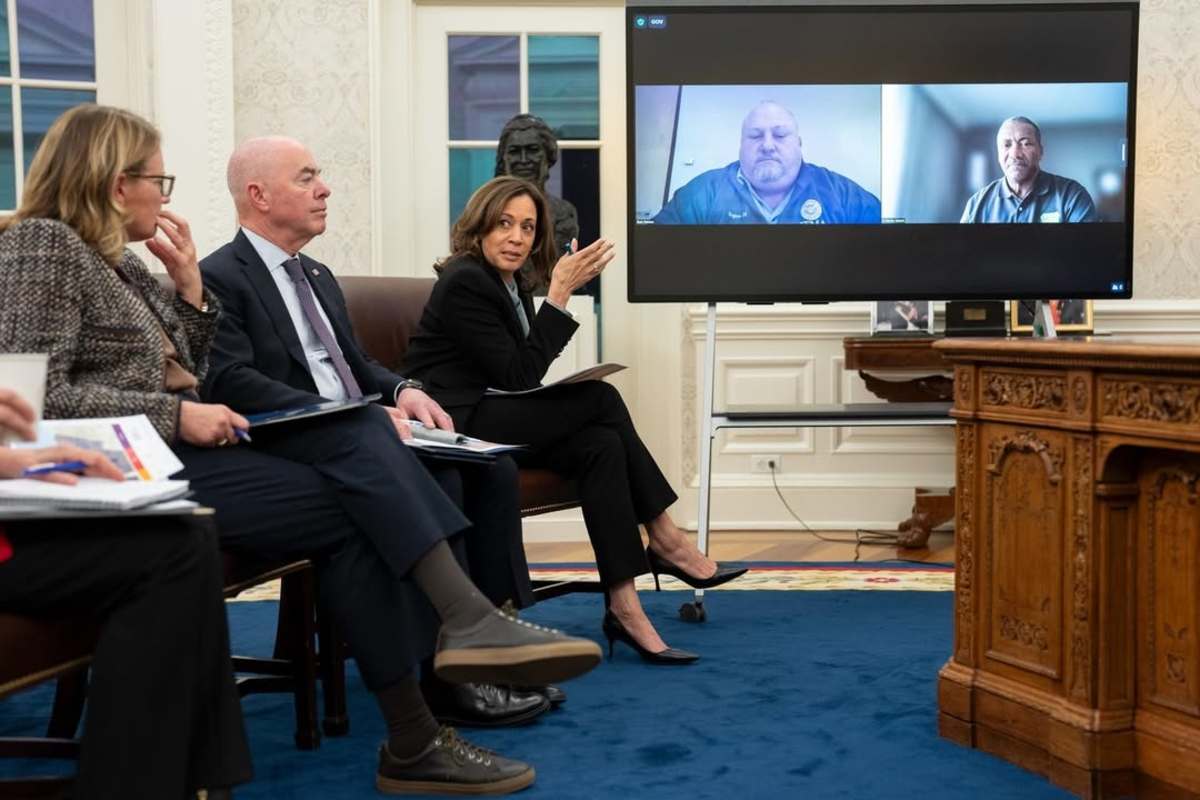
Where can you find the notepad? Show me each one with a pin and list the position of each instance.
(308, 411)
(593, 373)
(90, 493)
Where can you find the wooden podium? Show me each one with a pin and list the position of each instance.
(1077, 607)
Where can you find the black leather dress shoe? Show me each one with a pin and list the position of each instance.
(485, 705)
(660, 566)
(614, 631)
(451, 766)
(555, 695)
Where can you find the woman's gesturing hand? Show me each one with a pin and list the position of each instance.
(209, 424)
(177, 252)
(577, 268)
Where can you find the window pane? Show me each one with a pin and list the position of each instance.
(485, 85)
(576, 177)
(8, 182)
(39, 108)
(56, 40)
(5, 62)
(469, 169)
(564, 84)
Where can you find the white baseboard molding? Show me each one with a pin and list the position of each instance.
(561, 526)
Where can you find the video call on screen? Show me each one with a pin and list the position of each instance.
(884, 142)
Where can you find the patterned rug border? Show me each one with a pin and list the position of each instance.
(810, 578)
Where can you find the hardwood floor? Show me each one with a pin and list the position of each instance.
(771, 546)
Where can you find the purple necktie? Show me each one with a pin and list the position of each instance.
(295, 271)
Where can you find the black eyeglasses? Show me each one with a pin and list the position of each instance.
(166, 183)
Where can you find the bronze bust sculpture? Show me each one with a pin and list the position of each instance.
(528, 149)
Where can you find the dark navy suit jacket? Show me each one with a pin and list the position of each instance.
(256, 362)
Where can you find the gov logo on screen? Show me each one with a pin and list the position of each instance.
(1118, 287)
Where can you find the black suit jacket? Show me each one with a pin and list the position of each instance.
(256, 362)
(470, 339)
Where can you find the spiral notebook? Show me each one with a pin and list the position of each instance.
(90, 493)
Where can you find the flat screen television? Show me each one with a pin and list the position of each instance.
(870, 152)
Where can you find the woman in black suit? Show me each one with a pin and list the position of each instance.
(479, 330)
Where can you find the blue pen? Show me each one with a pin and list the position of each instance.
(243, 435)
(77, 467)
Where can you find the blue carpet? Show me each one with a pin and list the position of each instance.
(799, 695)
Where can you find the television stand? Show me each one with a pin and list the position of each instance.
(809, 416)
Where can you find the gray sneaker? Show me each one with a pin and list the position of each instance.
(451, 765)
(500, 649)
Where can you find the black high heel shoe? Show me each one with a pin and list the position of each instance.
(614, 630)
(659, 565)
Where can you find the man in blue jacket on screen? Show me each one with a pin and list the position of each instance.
(770, 183)
(1026, 192)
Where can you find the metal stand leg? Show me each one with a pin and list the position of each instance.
(694, 611)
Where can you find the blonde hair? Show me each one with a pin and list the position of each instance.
(482, 215)
(72, 175)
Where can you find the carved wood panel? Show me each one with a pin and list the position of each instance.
(1147, 400)
(1025, 499)
(964, 388)
(1024, 390)
(1170, 521)
(964, 534)
(1080, 549)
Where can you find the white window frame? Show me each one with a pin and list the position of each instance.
(14, 82)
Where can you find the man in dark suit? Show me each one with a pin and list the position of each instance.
(284, 339)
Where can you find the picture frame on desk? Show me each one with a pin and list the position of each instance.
(901, 316)
(1070, 316)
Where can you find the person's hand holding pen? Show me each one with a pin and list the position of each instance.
(413, 404)
(211, 424)
(577, 267)
(58, 464)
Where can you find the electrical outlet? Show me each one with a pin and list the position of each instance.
(768, 463)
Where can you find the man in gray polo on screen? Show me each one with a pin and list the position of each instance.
(1025, 193)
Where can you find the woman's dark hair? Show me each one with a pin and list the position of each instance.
(482, 215)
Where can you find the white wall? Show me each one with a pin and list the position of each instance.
(319, 73)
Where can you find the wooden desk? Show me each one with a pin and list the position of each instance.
(1077, 607)
(871, 354)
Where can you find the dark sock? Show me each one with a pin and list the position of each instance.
(432, 687)
(411, 726)
(457, 601)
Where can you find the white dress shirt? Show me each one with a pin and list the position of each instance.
(329, 385)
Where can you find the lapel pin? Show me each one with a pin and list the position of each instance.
(315, 272)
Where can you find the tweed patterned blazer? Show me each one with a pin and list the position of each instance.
(59, 296)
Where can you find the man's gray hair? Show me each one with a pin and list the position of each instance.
(1037, 132)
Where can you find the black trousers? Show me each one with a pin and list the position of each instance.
(344, 490)
(584, 431)
(163, 715)
(493, 551)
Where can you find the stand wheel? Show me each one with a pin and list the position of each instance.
(693, 612)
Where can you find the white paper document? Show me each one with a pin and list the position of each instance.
(131, 443)
(18, 512)
(589, 374)
(89, 493)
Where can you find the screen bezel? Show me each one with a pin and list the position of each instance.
(733, 295)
